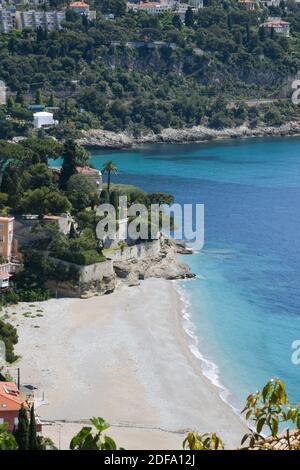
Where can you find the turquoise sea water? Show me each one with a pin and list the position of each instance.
(245, 303)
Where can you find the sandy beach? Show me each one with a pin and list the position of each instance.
(124, 357)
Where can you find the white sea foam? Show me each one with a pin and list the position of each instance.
(209, 369)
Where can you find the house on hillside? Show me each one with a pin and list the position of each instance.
(249, 5)
(82, 8)
(43, 119)
(278, 25)
(8, 251)
(92, 173)
(11, 401)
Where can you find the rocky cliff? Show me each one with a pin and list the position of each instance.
(107, 139)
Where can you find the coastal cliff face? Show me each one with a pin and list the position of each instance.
(164, 265)
(154, 259)
(107, 139)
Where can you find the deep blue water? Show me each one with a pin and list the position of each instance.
(245, 302)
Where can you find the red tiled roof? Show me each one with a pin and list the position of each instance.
(10, 398)
(79, 5)
(278, 443)
(86, 170)
(271, 23)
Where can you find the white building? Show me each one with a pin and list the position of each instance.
(166, 5)
(2, 93)
(7, 18)
(40, 19)
(151, 7)
(271, 3)
(278, 25)
(43, 119)
(249, 5)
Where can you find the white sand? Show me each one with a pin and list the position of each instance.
(124, 357)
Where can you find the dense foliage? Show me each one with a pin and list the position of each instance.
(8, 334)
(140, 71)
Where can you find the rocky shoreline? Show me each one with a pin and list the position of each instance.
(123, 140)
(163, 264)
(166, 265)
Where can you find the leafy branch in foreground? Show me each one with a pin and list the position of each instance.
(86, 440)
(206, 441)
(7, 440)
(270, 408)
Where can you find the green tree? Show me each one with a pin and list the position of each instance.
(21, 433)
(86, 440)
(19, 98)
(207, 441)
(176, 21)
(32, 437)
(7, 440)
(269, 408)
(38, 97)
(109, 168)
(43, 201)
(8, 334)
(51, 101)
(73, 156)
(82, 191)
(189, 18)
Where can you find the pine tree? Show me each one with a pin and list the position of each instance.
(177, 22)
(51, 101)
(247, 33)
(10, 104)
(32, 437)
(38, 97)
(272, 35)
(21, 433)
(19, 98)
(69, 163)
(229, 22)
(189, 17)
(262, 34)
(104, 197)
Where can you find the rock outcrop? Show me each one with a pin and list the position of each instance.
(166, 265)
(122, 140)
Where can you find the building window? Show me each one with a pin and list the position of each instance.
(1, 226)
(1, 420)
(16, 421)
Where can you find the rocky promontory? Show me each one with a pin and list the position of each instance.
(165, 265)
(122, 140)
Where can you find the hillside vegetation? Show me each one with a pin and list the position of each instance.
(101, 76)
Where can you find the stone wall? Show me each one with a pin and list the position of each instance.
(98, 278)
(96, 271)
(143, 250)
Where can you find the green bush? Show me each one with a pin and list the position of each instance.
(8, 334)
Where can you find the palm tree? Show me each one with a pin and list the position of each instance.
(109, 168)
